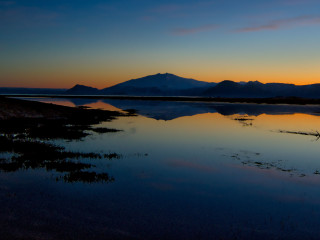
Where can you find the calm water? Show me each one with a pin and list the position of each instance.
(188, 171)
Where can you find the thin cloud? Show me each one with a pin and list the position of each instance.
(284, 23)
(187, 31)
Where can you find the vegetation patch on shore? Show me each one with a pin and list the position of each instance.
(244, 120)
(26, 127)
(252, 159)
(104, 130)
(33, 154)
(314, 133)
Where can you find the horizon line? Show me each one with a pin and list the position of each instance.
(217, 82)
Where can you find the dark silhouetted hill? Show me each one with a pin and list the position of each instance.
(171, 85)
(259, 90)
(82, 90)
(159, 85)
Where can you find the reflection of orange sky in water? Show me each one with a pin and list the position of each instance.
(102, 105)
(226, 128)
(216, 130)
(96, 105)
(297, 121)
(58, 102)
(218, 122)
(294, 122)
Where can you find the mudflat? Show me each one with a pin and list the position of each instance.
(27, 127)
(16, 108)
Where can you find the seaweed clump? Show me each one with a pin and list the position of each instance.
(33, 154)
(88, 177)
(101, 130)
(314, 133)
(244, 120)
(251, 159)
(50, 128)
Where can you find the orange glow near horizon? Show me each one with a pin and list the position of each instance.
(102, 80)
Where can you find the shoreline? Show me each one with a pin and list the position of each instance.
(275, 100)
(29, 129)
(13, 108)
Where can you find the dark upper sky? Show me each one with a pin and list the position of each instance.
(55, 43)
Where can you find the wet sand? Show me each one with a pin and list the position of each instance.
(16, 108)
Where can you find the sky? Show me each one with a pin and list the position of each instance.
(60, 43)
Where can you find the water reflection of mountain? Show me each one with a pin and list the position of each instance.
(162, 110)
(82, 101)
(165, 110)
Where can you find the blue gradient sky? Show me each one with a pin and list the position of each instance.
(55, 43)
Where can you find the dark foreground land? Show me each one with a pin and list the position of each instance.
(27, 129)
(275, 100)
(11, 108)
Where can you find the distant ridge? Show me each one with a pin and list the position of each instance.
(168, 84)
(259, 90)
(82, 90)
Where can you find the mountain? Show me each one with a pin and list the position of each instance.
(82, 90)
(171, 85)
(309, 91)
(229, 88)
(259, 90)
(159, 85)
(166, 80)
